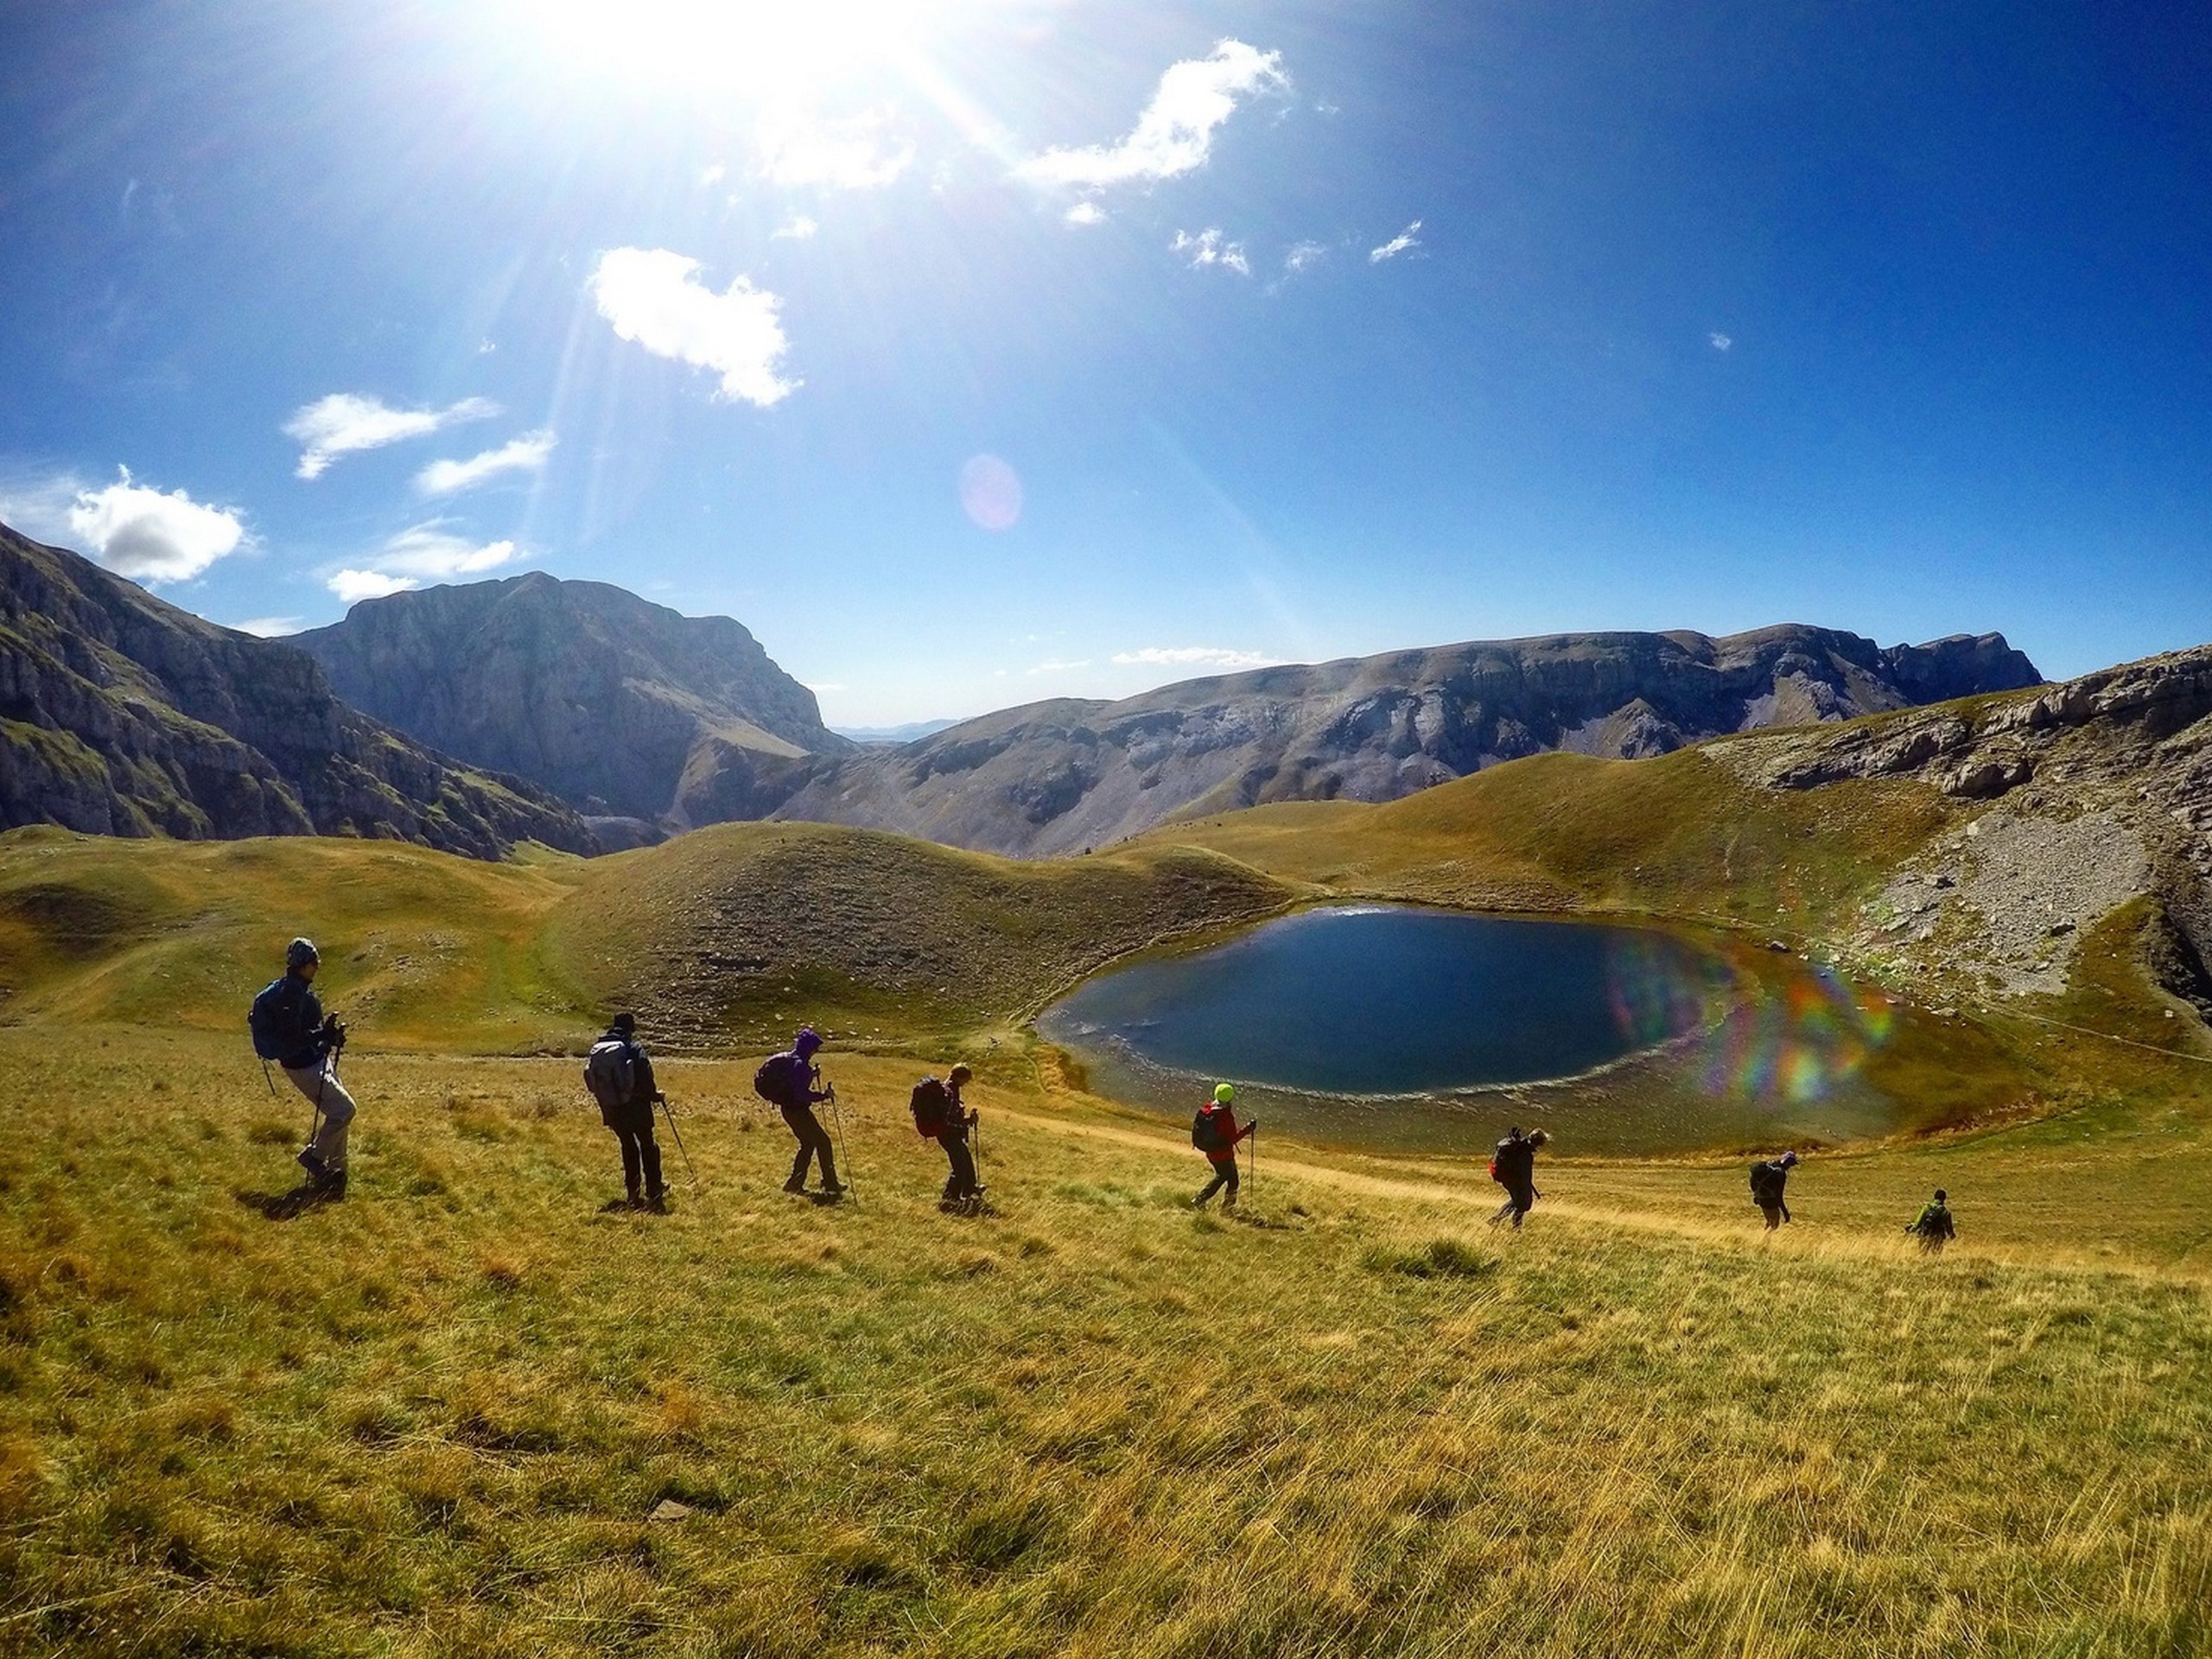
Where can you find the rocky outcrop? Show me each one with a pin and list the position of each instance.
(121, 714)
(1060, 777)
(623, 707)
(2091, 793)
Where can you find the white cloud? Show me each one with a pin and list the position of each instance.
(425, 552)
(139, 532)
(796, 149)
(1303, 254)
(711, 175)
(1718, 342)
(270, 627)
(352, 586)
(1193, 657)
(1408, 237)
(1209, 248)
(655, 297)
(526, 454)
(1055, 665)
(1175, 133)
(346, 421)
(798, 230)
(1086, 213)
(430, 549)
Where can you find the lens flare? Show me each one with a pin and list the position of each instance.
(1766, 1029)
(991, 492)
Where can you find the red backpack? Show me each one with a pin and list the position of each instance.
(932, 1104)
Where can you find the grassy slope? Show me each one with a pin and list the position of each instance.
(434, 1419)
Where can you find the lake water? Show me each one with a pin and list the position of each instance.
(1404, 1028)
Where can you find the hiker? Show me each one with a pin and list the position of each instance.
(1767, 1181)
(1214, 1131)
(1933, 1224)
(289, 1027)
(1513, 1167)
(939, 1116)
(786, 1081)
(620, 1075)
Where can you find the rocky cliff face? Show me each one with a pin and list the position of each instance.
(622, 707)
(1058, 776)
(2096, 792)
(121, 714)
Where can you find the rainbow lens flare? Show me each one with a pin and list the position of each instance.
(1765, 1028)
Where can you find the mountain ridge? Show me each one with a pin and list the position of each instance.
(121, 714)
(1067, 775)
(625, 708)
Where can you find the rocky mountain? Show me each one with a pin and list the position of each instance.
(122, 714)
(2099, 794)
(1063, 776)
(625, 708)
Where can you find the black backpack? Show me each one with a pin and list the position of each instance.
(932, 1104)
(1766, 1185)
(1206, 1131)
(271, 1024)
(611, 1073)
(777, 1081)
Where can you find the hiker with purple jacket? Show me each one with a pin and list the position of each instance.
(788, 1081)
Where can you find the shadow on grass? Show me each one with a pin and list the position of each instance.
(286, 1206)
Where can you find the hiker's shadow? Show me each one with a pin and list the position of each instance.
(284, 1206)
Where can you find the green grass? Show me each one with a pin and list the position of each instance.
(435, 1418)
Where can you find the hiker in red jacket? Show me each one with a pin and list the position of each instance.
(1214, 1131)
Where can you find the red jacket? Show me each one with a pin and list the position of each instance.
(1228, 1135)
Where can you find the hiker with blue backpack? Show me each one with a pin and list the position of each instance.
(787, 1081)
(619, 1074)
(1214, 1131)
(289, 1027)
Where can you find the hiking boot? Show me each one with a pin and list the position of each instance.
(331, 1187)
(833, 1190)
(656, 1202)
(797, 1184)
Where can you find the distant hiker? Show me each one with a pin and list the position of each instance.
(620, 1075)
(1513, 1167)
(289, 1027)
(1933, 1225)
(787, 1081)
(1767, 1181)
(1214, 1133)
(938, 1116)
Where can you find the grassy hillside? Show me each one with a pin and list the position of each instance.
(422, 950)
(437, 1418)
(735, 933)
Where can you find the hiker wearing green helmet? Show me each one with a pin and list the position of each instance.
(1214, 1131)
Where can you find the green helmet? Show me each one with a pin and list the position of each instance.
(1223, 1094)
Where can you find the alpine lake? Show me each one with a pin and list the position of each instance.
(1397, 1028)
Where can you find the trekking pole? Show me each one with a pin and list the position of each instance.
(838, 1119)
(268, 1078)
(680, 1147)
(1252, 1170)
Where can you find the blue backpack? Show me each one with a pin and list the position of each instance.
(271, 1023)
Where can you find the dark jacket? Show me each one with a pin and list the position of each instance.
(299, 1023)
(1934, 1221)
(1767, 1182)
(1516, 1162)
(643, 1090)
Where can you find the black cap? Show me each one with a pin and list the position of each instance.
(625, 1021)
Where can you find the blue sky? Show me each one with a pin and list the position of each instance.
(976, 351)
